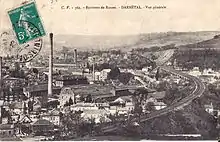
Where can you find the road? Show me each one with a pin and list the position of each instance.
(197, 92)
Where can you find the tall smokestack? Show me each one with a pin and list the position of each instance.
(75, 56)
(1, 89)
(50, 75)
(93, 69)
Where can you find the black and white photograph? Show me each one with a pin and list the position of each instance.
(107, 70)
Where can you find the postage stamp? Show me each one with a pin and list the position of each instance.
(26, 23)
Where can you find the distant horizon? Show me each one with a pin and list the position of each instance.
(6, 30)
(137, 33)
(178, 16)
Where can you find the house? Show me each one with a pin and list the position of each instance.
(65, 95)
(88, 106)
(21, 118)
(155, 104)
(25, 119)
(211, 73)
(53, 117)
(97, 76)
(84, 106)
(34, 117)
(7, 130)
(122, 105)
(12, 90)
(12, 93)
(159, 105)
(104, 74)
(78, 93)
(23, 124)
(157, 95)
(123, 91)
(42, 127)
(195, 71)
(67, 80)
(45, 75)
(212, 109)
(40, 91)
(17, 107)
(209, 108)
(146, 69)
(100, 115)
(36, 105)
(1, 107)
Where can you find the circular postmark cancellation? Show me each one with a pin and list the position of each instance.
(22, 52)
(30, 50)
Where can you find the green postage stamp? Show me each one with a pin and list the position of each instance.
(26, 23)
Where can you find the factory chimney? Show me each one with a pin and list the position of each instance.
(93, 69)
(50, 75)
(1, 89)
(75, 56)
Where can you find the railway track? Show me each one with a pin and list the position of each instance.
(197, 92)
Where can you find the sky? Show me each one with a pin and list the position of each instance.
(179, 15)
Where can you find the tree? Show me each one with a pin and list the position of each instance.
(54, 104)
(114, 73)
(138, 110)
(82, 99)
(66, 104)
(103, 66)
(25, 108)
(125, 77)
(30, 106)
(35, 70)
(157, 74)
(70, 101)
(149, 106)
(88, 98)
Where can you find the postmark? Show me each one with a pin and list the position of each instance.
(21, 52)
(26, 23)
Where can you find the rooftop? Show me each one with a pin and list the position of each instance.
(106, 70)
(93, 89)
(42, 122)
(157, 95)
(41, 87)
(100, 112)
(17, 105)
(6, 126)
(123, 99)
(70, 77)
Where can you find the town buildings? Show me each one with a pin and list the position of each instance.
(79, 92)
(67, 80)
(41, 92)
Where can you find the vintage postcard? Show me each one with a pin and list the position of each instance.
(107, 70)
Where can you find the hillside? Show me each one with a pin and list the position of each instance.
(203, 54)
(177, 38)
(191, 120)
(125, 43)
(210, 43)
